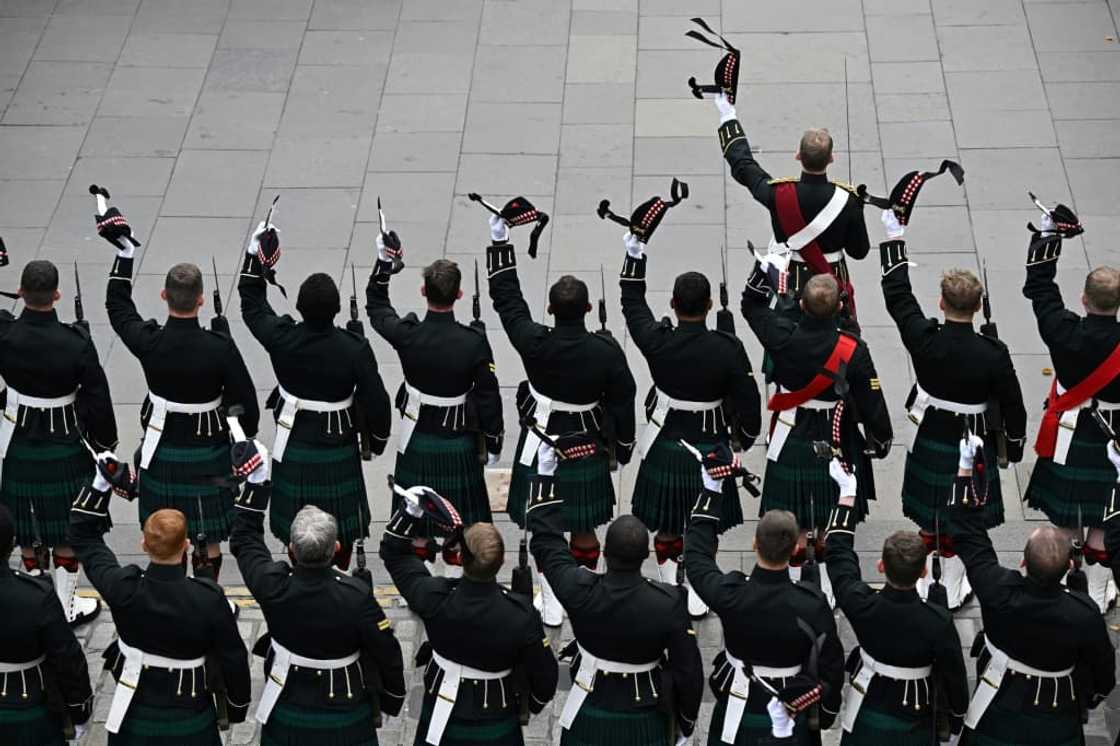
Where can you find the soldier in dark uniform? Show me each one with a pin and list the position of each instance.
(811, 361)
(958, 373)
(332, 661)
(324, 375)
(795, 203)
(57, 395)
(451, 409)
(773, 628)
(193, 374)
(1045, 655)
(179, 661)
(577, 382)
(487, 659)
(45, 683)
(703, 405)
(634, 641)
(901, 683)
(1072, 480)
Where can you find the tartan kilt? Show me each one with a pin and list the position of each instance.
(799, 475)
(497, 731)
(585, 485)
(1087, 478)
(594, 727)
(927, 482)
(1005, 726)
(875, 727)
(328, 476)
(167, 726)
(289, 725)
(172, 481)
(450, 466)
(754, 727)
(668, 484)
(29, 726)
(49, 472)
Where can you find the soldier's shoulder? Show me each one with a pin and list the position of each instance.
(1084, 600)
(476, 331)
(607, 340)
(209, 586)
(810, 594)
(665, 592)
(851, 189)
(349, 582)
(784, 180)
(942, 615)
(998, 344)
(78, 330)
(39, 583)
(351, 337)
(516, 600)
(726, 337)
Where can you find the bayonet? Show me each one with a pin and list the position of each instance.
(354, 299)
(389, 239)
(476, 300)
(603, 302)
(79, 311)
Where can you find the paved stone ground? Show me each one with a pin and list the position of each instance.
(197, 113)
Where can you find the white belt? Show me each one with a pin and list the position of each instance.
(411, 412)
(1067, 423)
(584, 682)
(740, 692)
(135, 661)
(287, 418)
(989, 683)
(20, 667)
(783, 427)
(453, 675)
(160, 409)
(282, 661)
(11, 414)
(662, 406)
(923, 401)
(870, 669)
(545, 407)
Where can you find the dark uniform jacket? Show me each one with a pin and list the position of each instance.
(478, 624)
(316, 361)
(320, 612)
(43, 357)
(759, 615)
(161, 611)
(182, 362)
(693, 363)
(896, 628)
(35, 625)
(955, 363)
(440, 357)
(565, 362)
(1044, 626)
(620, 616)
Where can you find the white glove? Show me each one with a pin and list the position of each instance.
(968, 448)
(499, 230)
(1046, 224)
(492, 459)
(412, 504)
(251, 249)
(100, 483)
(125, 250)
(712, 485)
(80, 732)
(546, 460)
(635, 248)
(781, 724)
(778, 257)
(261, 473)
(844, 479)
(1114, 457)
(893, 227)
(682, 740)
(726, 110)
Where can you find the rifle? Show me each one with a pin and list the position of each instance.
(476, 303)
(603, 331)
(993, 417)
(39, 550)
(937, 593)
(79, 312)
(522, 578)
(355, 326)
(219, 323)
(725, 322)
(360, 570)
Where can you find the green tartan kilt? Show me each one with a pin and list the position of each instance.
(450, 466)
(927, 483)
(30, 726)
(172, 481)
(753, 728)
(1002, 726)
(496, 732)
(326, 476)
(668, 484)
(1086, 479)
(799, 475)
(50, 474)
(596, 727)
(874, 728)
(585, 485)
(299, 726)
(167, 726)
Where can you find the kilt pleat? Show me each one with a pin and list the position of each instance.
(753, 728)
(594, 726)
(449, 466)
(874, 728)
(585, 484)
(927, 483)
(29, 726)
(498, 732)
(799, 482)
(328, 476)
(1008, 726)
(1086, 479)
(167, 726)
(48, 475)
(668, 484)
(289, 725)
(174, 479)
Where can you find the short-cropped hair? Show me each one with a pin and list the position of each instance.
(776, 536)
(38, 282)
(314, 533)
(485, 552)
(442, 279)
(691, 294)
(627, 544)
(183, 286)
(821, 296)
(165, 531)
(568, 298)
(904, 557)
(1102, 289)
(815, 149)
(961, 291)
(1047, 555)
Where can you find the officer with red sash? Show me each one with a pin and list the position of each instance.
(815, 221)
(1072, 479)
(826, 384)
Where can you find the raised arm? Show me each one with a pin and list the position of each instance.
(263, 323)
(903, 307)
(423, 593)
(114, 583)
(371, 392)
(95, 405)
(382, 316)
(737, 152)
(246, 542)
(644, 329)
(1056, 323)
(840, 554)
(505, 292)
(718, 590)
(136, 333)
(772, 329)
(545, 517)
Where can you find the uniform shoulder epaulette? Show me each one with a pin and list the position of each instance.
(853, 335)
(784, 180)
(606, 340)
(516, 599)
(78, 329)
(209, 585)
(476, 330)
(728, 335)
(351, 582)
(667, 589)
(845, 186)
(352, 334)
(42, 582)
(812, 590)
(999, 343)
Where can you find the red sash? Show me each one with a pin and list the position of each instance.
(841, 354)
(788, 209)
(1086, 388)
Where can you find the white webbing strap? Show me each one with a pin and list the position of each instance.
(160, 409)
(292, 406)
(988, 685)
(869, 670)
(282, 661)
(135, 661)
(923, 401)
(1067, 423)
(453, 675)
(820, 223)
(410, 414)
(584, 681)
(784, 422)
(663, 404)
(740, 692)
(545, 408)
(16, 400)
